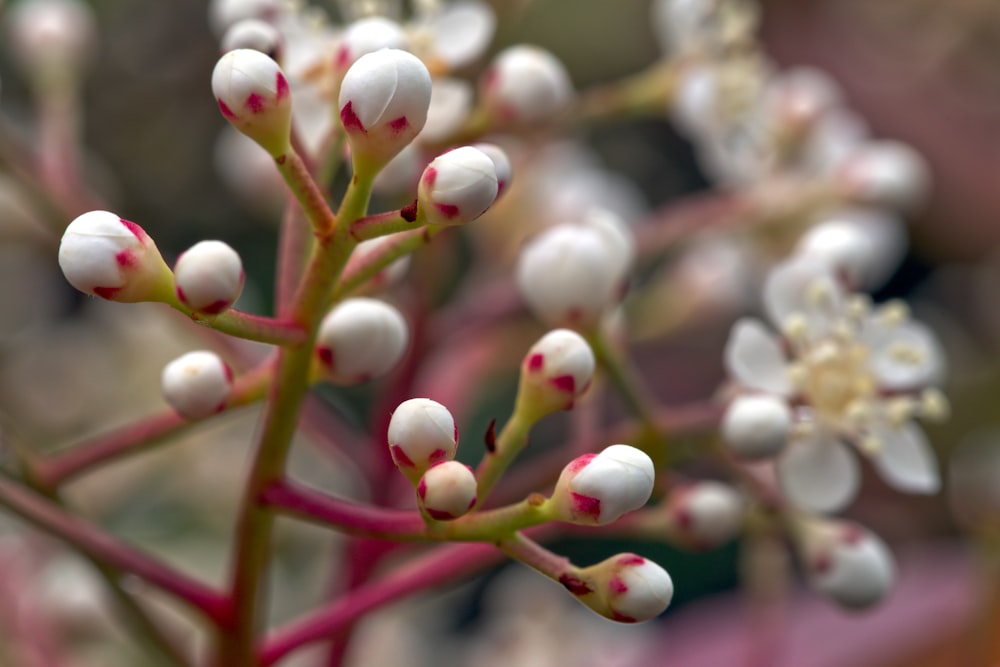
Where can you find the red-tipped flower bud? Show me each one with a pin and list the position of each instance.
(359, 340)
(447, 490)
(705, 515)
(209, 277)
(846, 562)
(253, 95)
(421, 433)
(556, 370)
(196, 384)
(526, 84)
(627, 588)
(596, 489)
(457, 187)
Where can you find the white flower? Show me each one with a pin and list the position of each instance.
(597, 489)
(756, 426)
(856, 376)
(457, 187)
(196, 384)
(253, 96)
(224, 13)
(209, 277)
(706, 514)
(421, 433)
(359, 340)
(847, 562)
(627, 588)
(526, 84)
(447, 490)
(557, 369)
(455, 34)
(113, 258)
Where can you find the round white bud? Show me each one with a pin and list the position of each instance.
(501, 165)
(224, 13)
(557, 369)
(866, 245)
(196, 384)
(847, 563)
(526, 84)
(597, 489)
(359, 340)
(209, 277)
(626, 588)
(253, 96)
(886, 173)
(47, 36)
(704, 515)
(115, 259)
(756, 426)
(252, 34)
(447, 490)
(367, 35)
(383, 105)
(457, 187)
(421, 433)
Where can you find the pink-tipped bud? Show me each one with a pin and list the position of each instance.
(596, 489)
(359, 340)
(383, 105)
(556, 370)
(886, 173)
(526, 84)
(253, 34)
(421, 433)
(253, 95)
(115, 259)
(756, 426)
(705, 515)
(626, 588)
(197, 384)
(501, 165)
(366, 35)
(447, 490)
(209, 277)
(846, 562)
(51, 36)
(457, 187)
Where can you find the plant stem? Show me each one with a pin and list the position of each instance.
(275, 331)
(381, 224)
(304, 188)
(364, 268)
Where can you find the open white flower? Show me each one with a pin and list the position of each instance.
(851, 374)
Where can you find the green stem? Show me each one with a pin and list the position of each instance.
(381, 224)
(511, 442)
(296, 174)
(274, 331)
(362, 269)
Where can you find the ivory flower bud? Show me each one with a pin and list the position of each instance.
(196, 384)
(597, 489)
(383, 105)
(501, 165)
(253, 96)
(421, 433)
(447, 490)
(113, 258)
(626, 588)
(209, 277)
(526, 84)
(359, 340)
(49, 37)
(847, 563)
(886, 173)
(557, 369)
(457, 186)
(756, 426)
(367, 35)
(253, 34)
(704, 515)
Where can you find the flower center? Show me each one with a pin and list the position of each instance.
(834, 375)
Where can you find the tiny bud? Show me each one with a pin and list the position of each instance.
(705, 515)
(115, 259)
(756, 426)
(597, 489)
(209, 277)
(366, 35)
(196, 384)
(557, 369)
(501, 165)
(383, 105)
(526, 84)
(421, 433)
(447, 490)
(253, 96)
(847, 562)
(886, 173)
(457, 187)
(253, 34)
(359, 340)
(628, 588)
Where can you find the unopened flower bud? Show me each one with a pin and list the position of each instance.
(627, 588)
(864, 245)
(705, 515)
(501, 165)
(383, 105)
(209, 277)
(253, 95)
(557, 369)
(107, 256)
(366, 35)
(447, 490)
(421, 433)
(51, 36)
(526, 84)
(886, 173)
(847, 562)
(359, 340)
(457, 186)
(197, 384)
(596, 489)
(253, 34)
(224, 13)
(756, 426)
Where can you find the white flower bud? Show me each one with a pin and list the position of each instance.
(847, 562)
(627, 588)
(252, 34)
(705, 515)
(447, 490)
(501, 165)
(597, 489)
(866, 245)
(224, 13)
(197, 384)
(557, 369)
(526, 84)
(383, 105)
(50, 35)
(886, 173)
(451, 102)
(107, 256)
(421, 433)
(367, 35)
(756, 426)
(359, 340)
(253, 96)
(209, 277)
(457, 187)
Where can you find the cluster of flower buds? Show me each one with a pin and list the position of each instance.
(197, 384)
(359, 340)
(626, 588)
(555, 372)
(597, 489)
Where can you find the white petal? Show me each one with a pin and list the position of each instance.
(905, 459)
(755, 358)
(803, 286)
(819, 474)
(904, 356)
(462, 32)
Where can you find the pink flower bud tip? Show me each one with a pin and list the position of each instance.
(359, 340)
(447, 490)
(253, 95)
(209, 277)
(626, 588)
(421, 433)
(457, 186)
(598, 489)
(197, 384)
